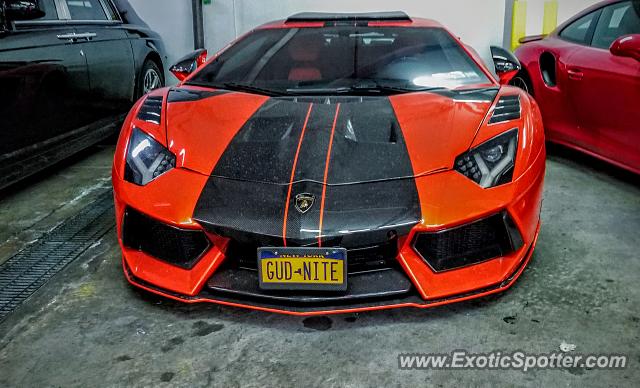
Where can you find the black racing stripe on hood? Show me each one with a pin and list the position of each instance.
(302, 229)
(368, 146)
(190, 95)
(248, 212)
(246, 195)
(367, 132)
(264, 148)
(247, 207)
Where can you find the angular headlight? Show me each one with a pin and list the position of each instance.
(146, 159)
(491, 163)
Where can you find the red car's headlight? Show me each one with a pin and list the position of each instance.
(146, 159)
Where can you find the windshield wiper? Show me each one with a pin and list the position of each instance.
(367, 86)
(234, 86)
(360, 88)
(251, 89)
(319, 90)
(375, 86)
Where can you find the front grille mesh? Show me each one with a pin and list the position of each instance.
(469, 244)
(175, 246)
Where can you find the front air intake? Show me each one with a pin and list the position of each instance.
(507, 109)
(468, 244)
(179, 247)
(151, 110)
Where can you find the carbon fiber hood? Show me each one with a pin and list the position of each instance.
(353, 158)
(372, 138)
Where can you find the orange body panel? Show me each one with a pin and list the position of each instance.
(447, 198)
(199, 133)
(436, 129)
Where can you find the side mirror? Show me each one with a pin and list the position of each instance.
(188, 64)
(22, 10)
(627, 46)
(531, 38)
(506, 64)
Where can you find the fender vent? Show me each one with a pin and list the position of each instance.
(151, 110)
(507, 109)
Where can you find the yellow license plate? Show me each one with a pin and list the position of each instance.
(302, 269)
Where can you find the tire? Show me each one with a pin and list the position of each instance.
(523, 81)
(151, 77)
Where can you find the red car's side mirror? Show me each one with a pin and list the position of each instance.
(188, 64)
(627, 46)
(506, 64)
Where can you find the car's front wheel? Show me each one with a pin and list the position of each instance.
(151, 78)
(522, 81)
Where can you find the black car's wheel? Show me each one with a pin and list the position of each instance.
(522, 81)
(151, 77)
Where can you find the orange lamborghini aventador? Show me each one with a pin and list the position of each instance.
(332, 163)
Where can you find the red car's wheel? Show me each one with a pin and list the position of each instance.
(522, 81)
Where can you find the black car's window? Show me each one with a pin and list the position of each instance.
(295, 60)
(616, 20)
(86, 10)
(580, 30)
(49, 9)
(112, 13)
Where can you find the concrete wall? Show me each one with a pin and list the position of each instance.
(477, 25)
(566, 9)
(172, 19)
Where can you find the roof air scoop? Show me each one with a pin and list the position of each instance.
(348, 17)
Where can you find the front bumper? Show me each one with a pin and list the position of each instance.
(450, 200)
(412, 300)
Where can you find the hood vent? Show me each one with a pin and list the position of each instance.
(507, 109)
(151, 110)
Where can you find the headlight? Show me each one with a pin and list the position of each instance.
(491, 163)
(146, 159)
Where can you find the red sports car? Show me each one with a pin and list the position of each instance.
(586, 78)
(332, 163)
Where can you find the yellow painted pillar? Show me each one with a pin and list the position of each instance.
(518, 22)
(550, 21)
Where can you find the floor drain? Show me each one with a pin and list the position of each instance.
(28, 270)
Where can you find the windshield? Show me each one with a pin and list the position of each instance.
(349, 59)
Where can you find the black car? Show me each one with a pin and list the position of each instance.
(69, 69)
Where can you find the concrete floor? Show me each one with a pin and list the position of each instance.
(87, 327)
(40, 203)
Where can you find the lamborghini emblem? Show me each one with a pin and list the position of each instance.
(304, 202)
